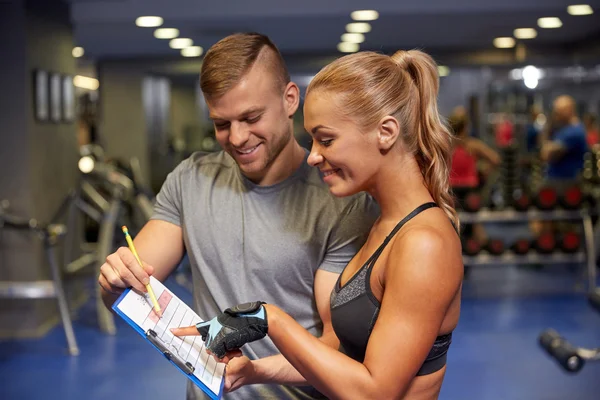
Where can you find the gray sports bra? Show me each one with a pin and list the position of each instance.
(354, 310)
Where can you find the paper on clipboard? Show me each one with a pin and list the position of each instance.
(188, 353)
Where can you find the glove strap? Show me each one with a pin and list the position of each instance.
(245, 308)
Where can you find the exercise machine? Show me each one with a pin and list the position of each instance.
(110, 196)
(50, 234)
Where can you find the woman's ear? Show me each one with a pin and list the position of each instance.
(388, 132)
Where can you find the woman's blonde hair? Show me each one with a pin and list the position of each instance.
(405, 86)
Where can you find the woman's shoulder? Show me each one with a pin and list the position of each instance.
(434, 241)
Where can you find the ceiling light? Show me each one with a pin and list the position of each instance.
(358, 27)
(353, 37)
(166, 33)
(525, 33)
(443, 70)
(580, 9)
(530, 72)
(192, 51)
(516, 74)
(504, 42)
(85, 82)
(531, 83)
(180, 43)
(549, 22)
(364, 15)
(347, 47)
(148, 22)
(78, 52)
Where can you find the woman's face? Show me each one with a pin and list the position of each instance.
(347, 156)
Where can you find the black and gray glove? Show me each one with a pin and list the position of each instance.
(235, 327)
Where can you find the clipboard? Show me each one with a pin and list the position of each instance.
(187, 354)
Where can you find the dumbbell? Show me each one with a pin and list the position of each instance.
(546, 198)
(495, 246)
(570, 242)
(473, 202)
(471, 246)
(545, 243)
(561, 350)
(572, 198)
(521, 246)
(521, 201)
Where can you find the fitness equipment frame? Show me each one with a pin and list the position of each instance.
(50, 235)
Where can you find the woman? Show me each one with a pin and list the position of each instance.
(376, 128)
(467, 153)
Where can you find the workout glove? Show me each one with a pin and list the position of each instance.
(234, 328)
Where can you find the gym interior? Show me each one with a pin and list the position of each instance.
(100, 100)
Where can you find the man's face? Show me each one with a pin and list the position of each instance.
(252, 121)
(562, 111)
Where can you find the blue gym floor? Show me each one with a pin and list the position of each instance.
(494, 355)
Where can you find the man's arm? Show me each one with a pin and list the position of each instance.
(276, 369)
(160, 247)
(159, 244)
(552, 151)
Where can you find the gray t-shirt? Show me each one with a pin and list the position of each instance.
(247, 242)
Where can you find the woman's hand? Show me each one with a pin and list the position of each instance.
(230, 330)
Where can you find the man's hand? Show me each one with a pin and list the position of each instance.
(232, 329)
(121, 271)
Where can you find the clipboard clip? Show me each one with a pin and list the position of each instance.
(185, 366)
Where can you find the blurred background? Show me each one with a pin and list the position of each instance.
(100, 100)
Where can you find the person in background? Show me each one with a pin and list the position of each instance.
(564, 151)
(467, 154)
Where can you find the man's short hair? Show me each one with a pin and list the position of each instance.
(228, 60)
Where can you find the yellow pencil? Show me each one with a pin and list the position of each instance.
(148, 287)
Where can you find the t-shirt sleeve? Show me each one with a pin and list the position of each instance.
(350, 233)
(573, 139)
(167, 206)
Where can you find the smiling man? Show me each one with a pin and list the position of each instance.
(255, 219)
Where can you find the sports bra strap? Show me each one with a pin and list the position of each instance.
(399, 225)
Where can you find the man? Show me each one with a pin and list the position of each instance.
(565, 150)
(255, 220)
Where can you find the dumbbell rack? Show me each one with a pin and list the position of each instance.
(587, 256)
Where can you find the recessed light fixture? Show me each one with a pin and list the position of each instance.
(78, 52)
(504, 42)
(166, 33)
(148, 22)
(525, 33)
(358, 27)
(580, 9)
(192, 51)
(549, 22)
(364, 15)
(85, 82)
(347, 47)
(443, 70)
(353, 37)
(180, 43)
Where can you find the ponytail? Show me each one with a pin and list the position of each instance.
(433, 139)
